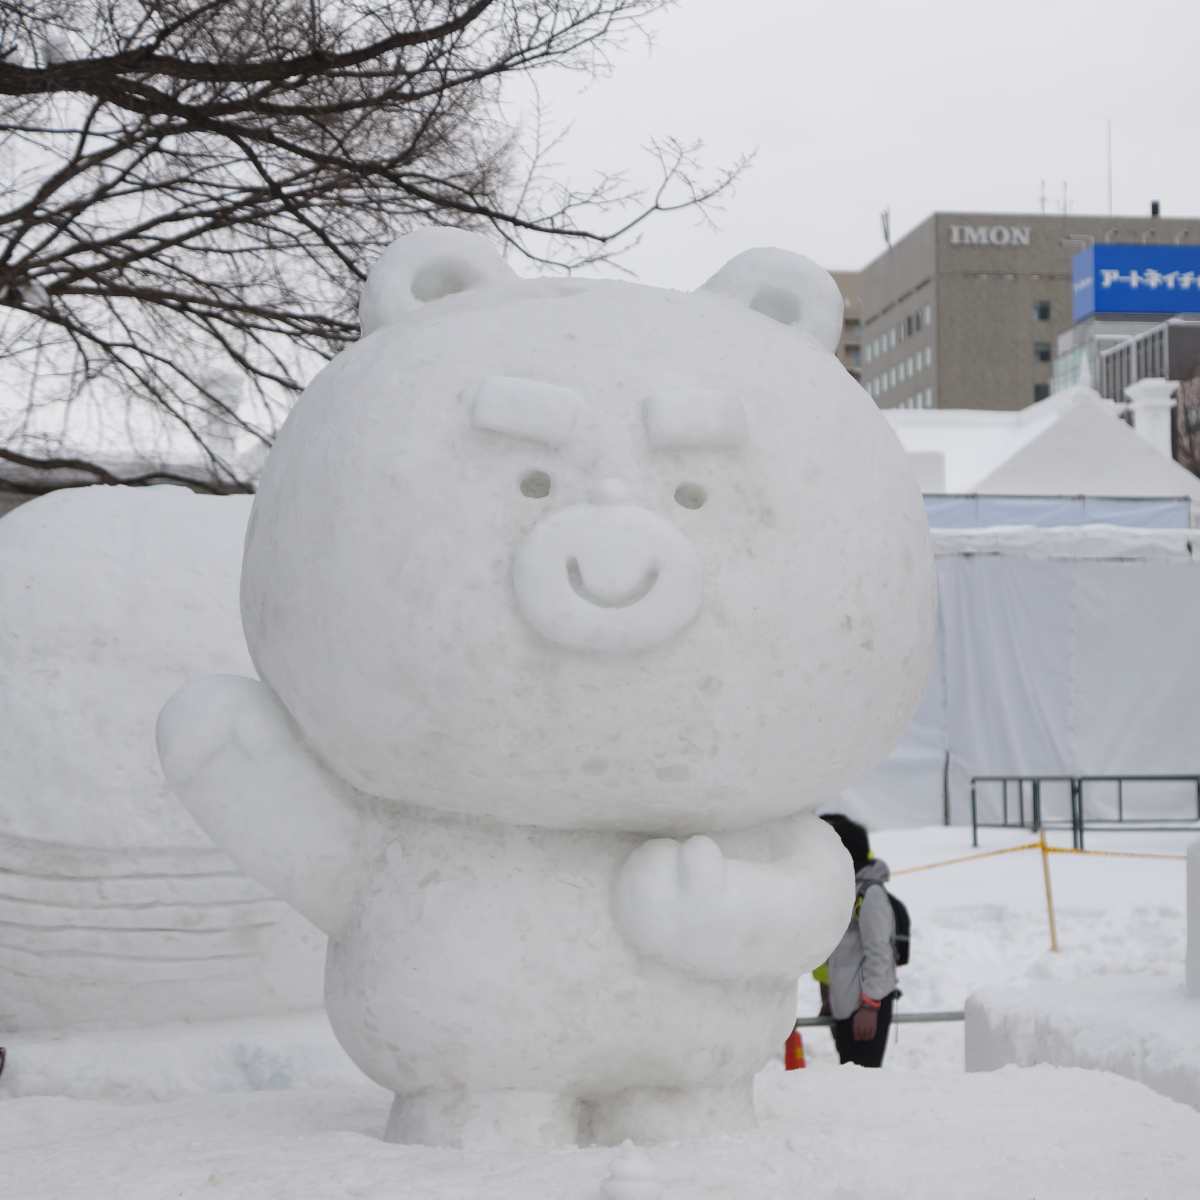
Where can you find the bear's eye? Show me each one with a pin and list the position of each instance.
(690, 495)
(536, 485)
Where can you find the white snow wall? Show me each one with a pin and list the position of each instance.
(114, 907)
(1068, 651)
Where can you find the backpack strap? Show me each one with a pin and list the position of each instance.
(858, 900)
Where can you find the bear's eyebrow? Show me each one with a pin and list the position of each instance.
(694, 418)
(525, 408)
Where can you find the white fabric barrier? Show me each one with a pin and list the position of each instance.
(1070, 651)
(979, 511)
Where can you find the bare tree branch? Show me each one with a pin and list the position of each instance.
(195, 189)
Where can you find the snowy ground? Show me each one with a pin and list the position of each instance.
(1043, 1132)
(920, 1127)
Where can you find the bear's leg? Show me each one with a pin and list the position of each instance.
(479, 1120)
(650, 1115)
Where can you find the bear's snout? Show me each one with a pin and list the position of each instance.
(607, 575)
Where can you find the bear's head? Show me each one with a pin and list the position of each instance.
(588, 554)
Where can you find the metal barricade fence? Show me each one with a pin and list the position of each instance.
(1079, 820)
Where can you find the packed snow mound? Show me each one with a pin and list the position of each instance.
(543, 575)
(114, 905)
(110, 599)
(1142, 1027)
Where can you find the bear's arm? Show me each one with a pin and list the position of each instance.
(232, 753)
(768, 901)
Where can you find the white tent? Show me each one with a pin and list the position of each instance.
(1074, 443)
(1070, 651)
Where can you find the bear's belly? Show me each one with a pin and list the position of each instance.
(486, 957)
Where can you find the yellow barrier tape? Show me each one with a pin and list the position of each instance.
(1112, 853)
(1036, 846)
(968, 858)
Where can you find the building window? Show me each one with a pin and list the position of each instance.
(929, 356)
(1040, 391)
(856, 357)
(892, 337)
(908, 327)
(1041, 310)
(1041, 351)
(929, 314)
(929, 397)
(909, 366)
(892, 377)
(917, 320)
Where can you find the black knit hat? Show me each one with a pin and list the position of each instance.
(854, 838)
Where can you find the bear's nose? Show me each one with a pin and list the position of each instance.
(610, 491)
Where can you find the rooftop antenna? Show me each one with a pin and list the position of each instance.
(886, 218)
(1043, 197)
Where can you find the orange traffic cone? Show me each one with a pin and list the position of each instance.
(793, 1052)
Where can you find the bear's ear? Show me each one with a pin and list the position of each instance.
(786, 287)
(424, 266)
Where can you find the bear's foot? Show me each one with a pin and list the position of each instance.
(479, 1120)
(649, 1115)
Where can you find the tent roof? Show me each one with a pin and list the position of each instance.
(1089, 451)
(1071, 444)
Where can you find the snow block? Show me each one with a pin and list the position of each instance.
(160, 1063)
(115, 908)
(1144, 1028)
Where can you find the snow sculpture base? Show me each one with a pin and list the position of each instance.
(476, 1120)
(652, 1115)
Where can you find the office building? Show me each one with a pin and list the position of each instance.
(965, 311)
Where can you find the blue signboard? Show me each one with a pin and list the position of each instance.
(1110, 278)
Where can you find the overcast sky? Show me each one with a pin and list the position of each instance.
(920, 106)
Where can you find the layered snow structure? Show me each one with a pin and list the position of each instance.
(569, 602)
(1143, 1027)
(115, 908)
(156, 1064)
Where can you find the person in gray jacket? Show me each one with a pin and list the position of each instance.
(862, 969)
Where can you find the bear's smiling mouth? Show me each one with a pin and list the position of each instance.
(581, 589)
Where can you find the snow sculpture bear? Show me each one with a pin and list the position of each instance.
(570, 601)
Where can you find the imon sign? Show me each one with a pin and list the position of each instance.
(1164, 280)
(989, 235)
